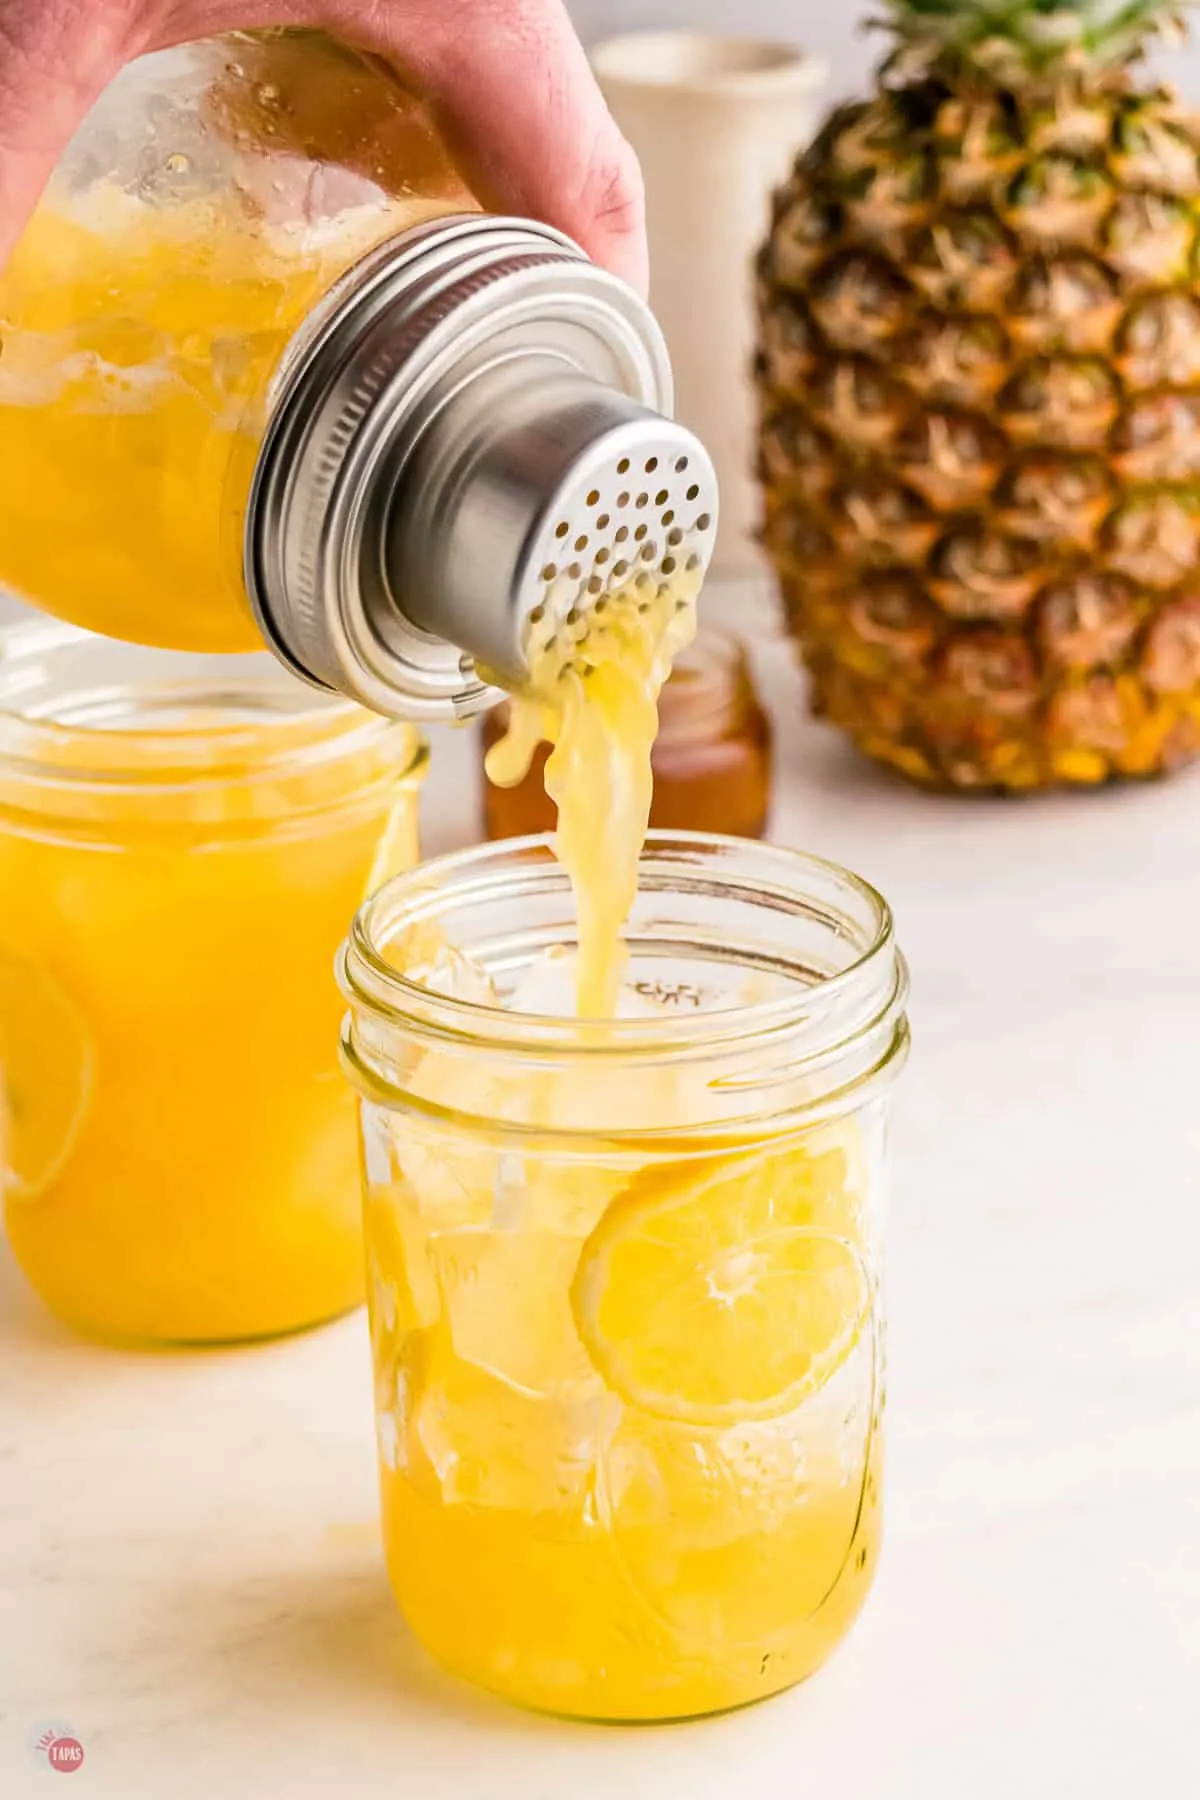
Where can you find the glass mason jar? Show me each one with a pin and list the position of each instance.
(269, 361)
(213, 195)
(624, 1277)
(177, 1147)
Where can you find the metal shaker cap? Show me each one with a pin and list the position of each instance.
(474, 423)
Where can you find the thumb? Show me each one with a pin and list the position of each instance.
(508, 80)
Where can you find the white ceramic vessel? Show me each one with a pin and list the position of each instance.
(715, 122)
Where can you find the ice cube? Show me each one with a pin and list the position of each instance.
(809, 1455)
(547, 986)
(387, 1436)
(448, 1188)
(736, 1536)
(405, 1293)
(507, 1298)
(508, 1193)
(478, 1441)
(454, 974)
(376, 1126)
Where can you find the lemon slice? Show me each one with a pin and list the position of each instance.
(725, 1290)
(46, 1071)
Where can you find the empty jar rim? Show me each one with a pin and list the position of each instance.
(775, 970)
(154, 716)
(92, 729)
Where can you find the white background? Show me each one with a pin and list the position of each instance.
(831, 29)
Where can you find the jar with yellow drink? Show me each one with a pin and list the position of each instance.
(269, 365)
(625, 1270)
(179, 1157)
(214, 196)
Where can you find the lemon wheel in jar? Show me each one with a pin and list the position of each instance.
(682, 1286)
(181, 841)
(46, 1075)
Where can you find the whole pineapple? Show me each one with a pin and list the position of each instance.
(980, 385)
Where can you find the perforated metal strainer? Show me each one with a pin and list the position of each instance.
(474, 424)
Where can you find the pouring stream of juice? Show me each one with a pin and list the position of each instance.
(592, 693)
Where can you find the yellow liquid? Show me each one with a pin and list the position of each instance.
(148, 305)
(628, 1417)
(137, 347)
(179, 1145)
(592, 695)
(567, 1530)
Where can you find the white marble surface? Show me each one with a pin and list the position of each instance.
(189, 1573)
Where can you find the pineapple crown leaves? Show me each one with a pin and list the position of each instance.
(1010, 41)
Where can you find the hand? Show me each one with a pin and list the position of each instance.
(509, 80)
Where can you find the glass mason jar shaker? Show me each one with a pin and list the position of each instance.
(266, 359)
(624, 1278)
(178, 1150)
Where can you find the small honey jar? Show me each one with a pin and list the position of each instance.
(711, 760)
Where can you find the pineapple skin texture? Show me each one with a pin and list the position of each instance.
(979, 380)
